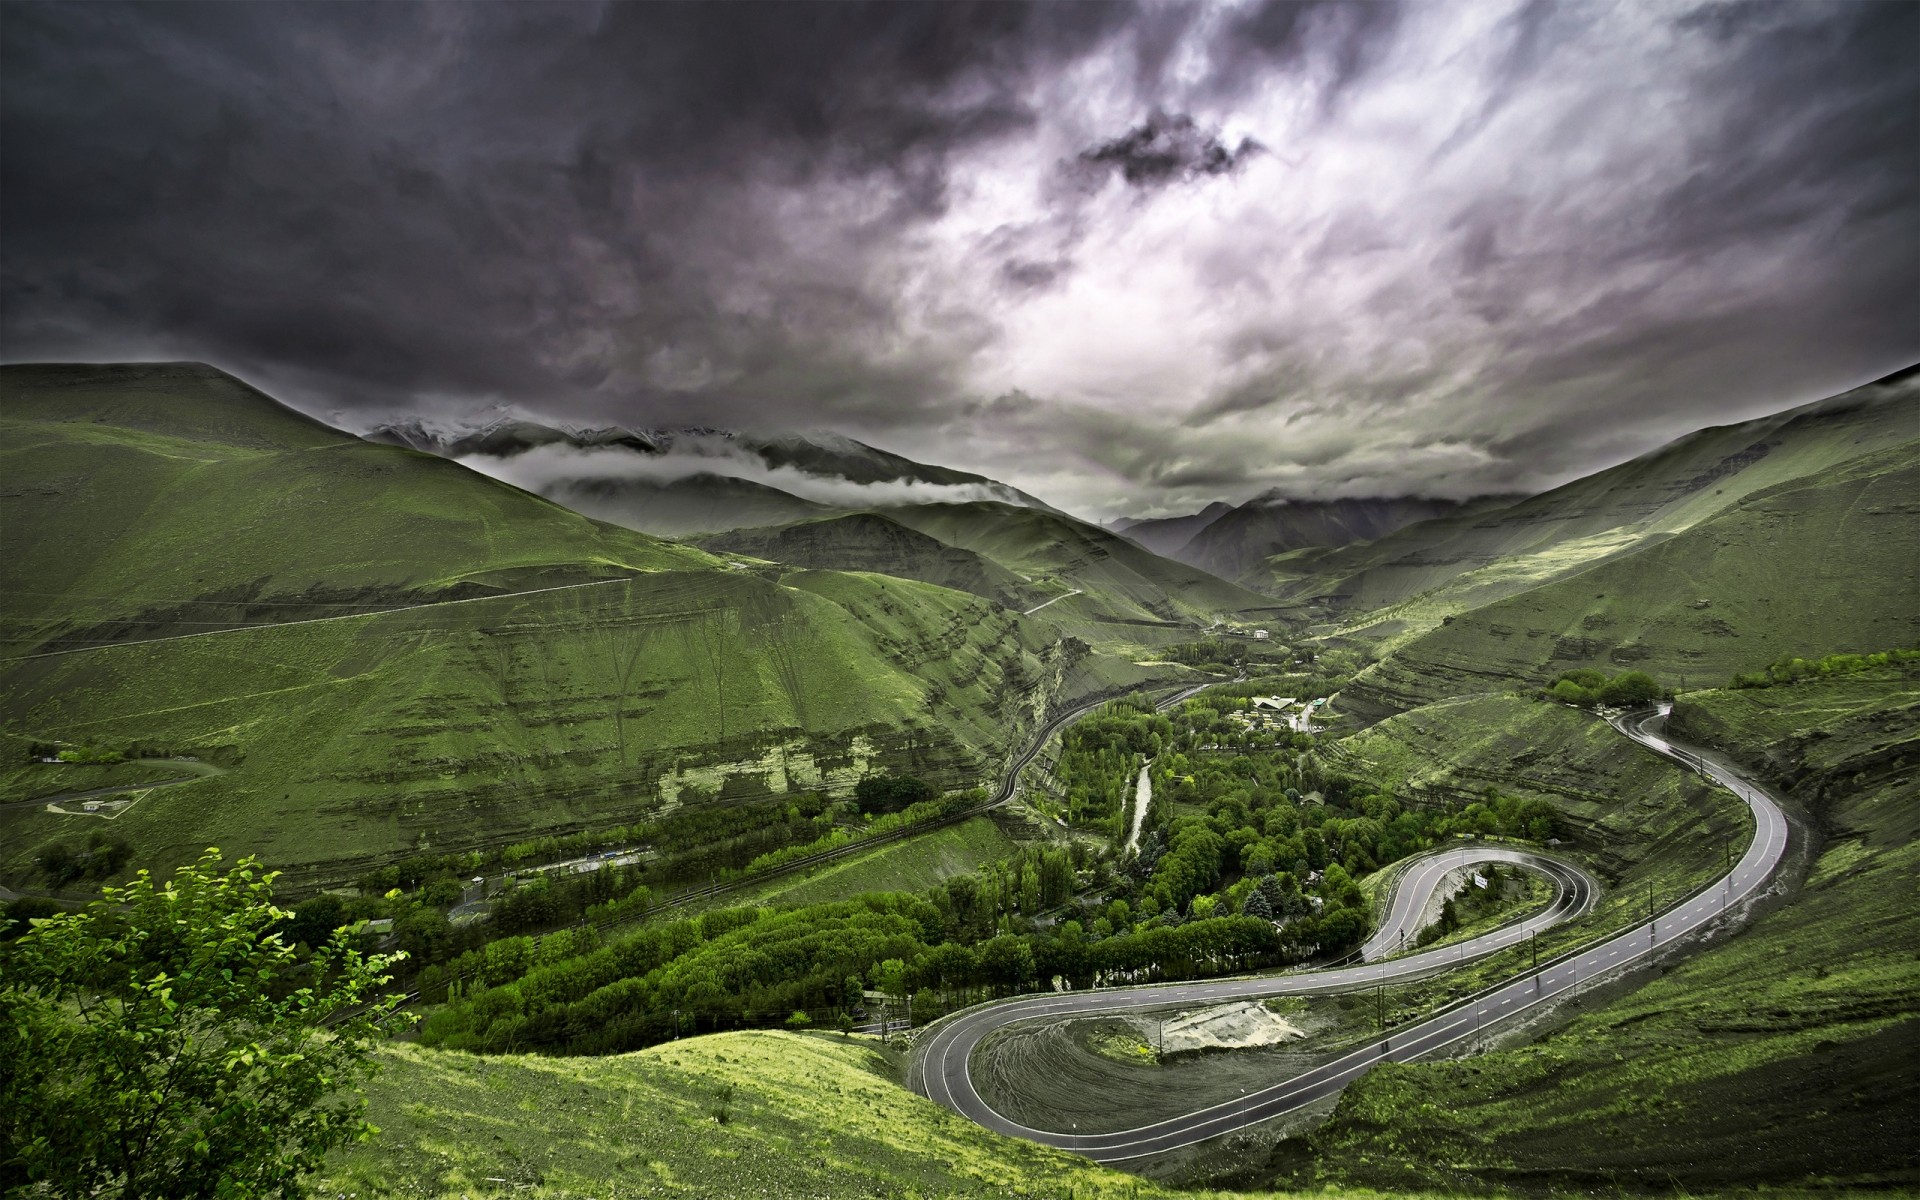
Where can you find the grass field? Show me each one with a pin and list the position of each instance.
(807, 1116)
(170, 501)
(1816, 565)
(906, 866)
(1409, 581)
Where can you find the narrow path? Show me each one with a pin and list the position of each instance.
(942, 1058)
(1142, 796)
(1057, 599)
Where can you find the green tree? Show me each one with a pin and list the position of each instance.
(167, 1042)
(1629, 689)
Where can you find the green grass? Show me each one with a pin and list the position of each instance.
(1814, 565)
(146, 502)
(905, 866)
(1779, 1058)
(1120, 581)
(1409, 581)
(810, 1116)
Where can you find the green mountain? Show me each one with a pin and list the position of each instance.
(1413, 578)
(377, 652)
(1236, 544)
(871, 542)
(677, 482)
(1094, 583)
(1165, 535)
(1821, 563)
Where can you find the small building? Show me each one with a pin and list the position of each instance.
(1261, 635)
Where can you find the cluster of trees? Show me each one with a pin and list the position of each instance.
(1789, 669)
(1228, 653)
(890, 793)
(756, 966)
(1100, 755)
(1587, 687)
(101, 856)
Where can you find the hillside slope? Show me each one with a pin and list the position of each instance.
(806, 1116)
(1124, 590)
(1822, 563)
(1236, 544)
(1411, 579)
(1165, 535)
(686, 507)
(1780, 1058)
(149, 499)
(389, 654)
(871, 542)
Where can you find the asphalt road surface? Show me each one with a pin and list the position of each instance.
(940, 1064)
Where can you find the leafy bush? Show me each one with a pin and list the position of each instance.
(1788, 669)
(167, 1042)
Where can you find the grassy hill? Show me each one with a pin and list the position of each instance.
(1778, 1059)
(472, 665)
(1822, 562)
(1236, 544)
(171, 498)
(1410, 580)
(1125, 590)
(808, 1116)
(871, 542)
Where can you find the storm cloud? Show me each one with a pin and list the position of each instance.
(1130, 259)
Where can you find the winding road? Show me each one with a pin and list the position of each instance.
(941, 1059)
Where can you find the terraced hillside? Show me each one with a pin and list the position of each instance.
(1822, 562)
(1411, 580)
(1778, 1059)
(491, 666)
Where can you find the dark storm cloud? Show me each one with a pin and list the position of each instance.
(394, 200)
(1169, 147)
(1484, 247)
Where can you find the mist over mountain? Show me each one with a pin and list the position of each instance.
(675, 482)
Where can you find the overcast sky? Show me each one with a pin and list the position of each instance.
(1130, 259)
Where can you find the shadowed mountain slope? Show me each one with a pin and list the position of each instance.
(1119, 582)
(1411, 579)
(1236, 544)
(390, 654)
(871, 542)
(1165, 535)
(1823, 563)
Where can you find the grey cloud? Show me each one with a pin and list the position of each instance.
(1168, 148)
(1466, 264)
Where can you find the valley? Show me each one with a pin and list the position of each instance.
(944, 810)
